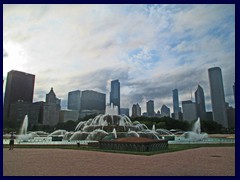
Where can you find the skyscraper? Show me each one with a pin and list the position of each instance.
(87, 102)
(165, 111)
(175, 104)
(217, 96)
(115, 94)
(189, 110)
(74, 100)
(18, 110)
(51, 109)
(200, 103)
(19, 87)
(136, 110)
(92, 100)
(150, 108)
(124, 111)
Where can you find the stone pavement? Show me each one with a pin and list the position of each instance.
(205, 161)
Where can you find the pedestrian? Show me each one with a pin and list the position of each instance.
(11, 142)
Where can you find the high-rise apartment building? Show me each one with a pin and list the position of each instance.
(175, 104)
(150, 108)
(136, 110)
(115, 94)
(19, 87)
(217, 96)
(165, 111)
(200, 103)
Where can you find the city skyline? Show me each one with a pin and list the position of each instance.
(151, 49)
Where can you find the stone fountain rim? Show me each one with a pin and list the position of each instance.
(135, 140)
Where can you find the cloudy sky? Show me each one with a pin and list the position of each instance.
(151, 49)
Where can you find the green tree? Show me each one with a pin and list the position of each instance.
(212, 127)
(68, 126)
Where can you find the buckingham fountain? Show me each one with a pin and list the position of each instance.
(110, 126)
(115, 128)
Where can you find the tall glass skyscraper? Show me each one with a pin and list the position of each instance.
(217, 96)
(175, 104)
(200, 103)
(115, 94)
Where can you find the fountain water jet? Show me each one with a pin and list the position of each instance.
(115, 133)
(153, 128)
(197, 127)
(195, 134)
(23, 130)
(112, 110)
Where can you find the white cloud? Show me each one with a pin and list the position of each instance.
(71, 47)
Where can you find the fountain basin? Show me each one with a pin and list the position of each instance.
(169, 138)
(134, 144)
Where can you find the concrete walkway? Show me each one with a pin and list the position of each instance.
(206, 161)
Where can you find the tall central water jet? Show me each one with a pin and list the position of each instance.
(112, 110)
(23, 135)
(197, 127)
(23, 130)
(196, 134)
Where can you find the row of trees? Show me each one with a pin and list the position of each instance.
(207, 126)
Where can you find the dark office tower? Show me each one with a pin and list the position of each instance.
(74, 100)
(92, 100)
(19, 87)
(200, 103)
(217, 96)
(175, 104)
(150, 108)
(115, 94)
(234, 91)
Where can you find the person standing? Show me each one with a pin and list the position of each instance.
(11, 142)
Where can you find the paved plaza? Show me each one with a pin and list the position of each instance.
(205, 161)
